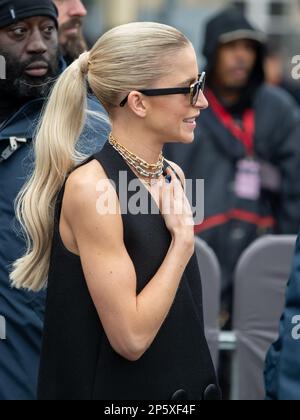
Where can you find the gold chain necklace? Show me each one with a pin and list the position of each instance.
(143, 168)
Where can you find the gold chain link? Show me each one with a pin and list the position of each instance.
(143, 168)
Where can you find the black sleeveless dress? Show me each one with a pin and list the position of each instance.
(77, 361)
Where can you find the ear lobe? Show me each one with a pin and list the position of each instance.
(137, 104)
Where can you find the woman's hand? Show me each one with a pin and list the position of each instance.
(177, 212)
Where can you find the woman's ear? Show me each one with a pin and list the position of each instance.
(137, 103)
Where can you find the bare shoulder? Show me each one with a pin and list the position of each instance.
(82, 186)
(178, 169)
(88, 194)
(85, 178)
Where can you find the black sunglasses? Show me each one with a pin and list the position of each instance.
(194, 91)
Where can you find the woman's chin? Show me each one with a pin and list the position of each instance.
(188, 139)
(185, 139)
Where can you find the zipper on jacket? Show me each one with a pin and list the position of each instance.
(14, 144)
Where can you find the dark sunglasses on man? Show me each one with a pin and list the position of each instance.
(194, 91)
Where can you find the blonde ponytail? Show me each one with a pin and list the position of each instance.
(56, 156)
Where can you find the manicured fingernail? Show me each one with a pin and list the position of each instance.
(168, 179)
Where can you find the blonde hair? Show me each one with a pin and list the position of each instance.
(129, 57)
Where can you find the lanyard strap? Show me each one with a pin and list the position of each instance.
(244, 134)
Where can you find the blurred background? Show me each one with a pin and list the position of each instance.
(278, 18)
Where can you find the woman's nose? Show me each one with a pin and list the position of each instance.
(202, 102)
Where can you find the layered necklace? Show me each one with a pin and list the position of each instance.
(143, 168)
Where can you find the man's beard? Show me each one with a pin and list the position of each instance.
(19, 86)
(73, 45)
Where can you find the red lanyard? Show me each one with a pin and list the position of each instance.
(244, 134)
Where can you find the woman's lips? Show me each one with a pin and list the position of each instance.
(191, 122)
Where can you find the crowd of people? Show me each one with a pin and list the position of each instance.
(120, 314)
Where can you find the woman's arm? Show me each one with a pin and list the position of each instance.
(131, 322)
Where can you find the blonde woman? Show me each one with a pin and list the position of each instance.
(124, 311)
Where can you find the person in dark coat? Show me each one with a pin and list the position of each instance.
(246, 149)
(282, 369)
(28, 41)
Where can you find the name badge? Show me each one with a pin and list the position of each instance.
(248, 180)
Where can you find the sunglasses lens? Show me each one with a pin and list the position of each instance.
(196, 91)
(198, 87)
(202, 87)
